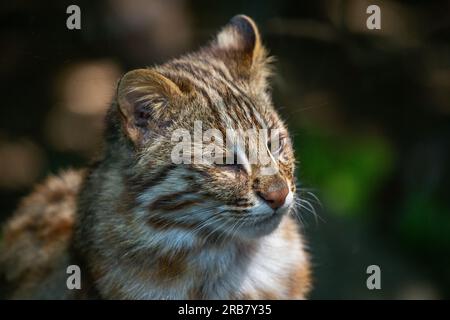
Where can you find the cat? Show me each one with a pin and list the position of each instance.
(140, 226)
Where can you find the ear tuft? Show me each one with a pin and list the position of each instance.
(144, 96)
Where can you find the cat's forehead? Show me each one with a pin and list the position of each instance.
(217, 97)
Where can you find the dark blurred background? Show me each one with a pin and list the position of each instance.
(369, 111)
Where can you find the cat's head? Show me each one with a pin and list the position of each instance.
(201, 98)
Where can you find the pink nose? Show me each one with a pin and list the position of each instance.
(275, 199)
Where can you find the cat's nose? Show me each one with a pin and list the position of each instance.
(275, 199)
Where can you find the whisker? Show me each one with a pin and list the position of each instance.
(295, 212)
(310, 209)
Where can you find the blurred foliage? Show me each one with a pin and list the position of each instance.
(425, 223)
(346, 169)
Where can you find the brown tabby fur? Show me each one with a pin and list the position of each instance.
(141, 227)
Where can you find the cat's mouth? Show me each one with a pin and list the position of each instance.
(275, 214)
(266, 224)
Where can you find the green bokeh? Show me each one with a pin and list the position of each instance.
(346, 170)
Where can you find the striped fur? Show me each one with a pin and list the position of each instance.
(145, 228)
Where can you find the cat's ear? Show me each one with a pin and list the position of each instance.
(143, 97)
(239, 42)
(240, 36)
